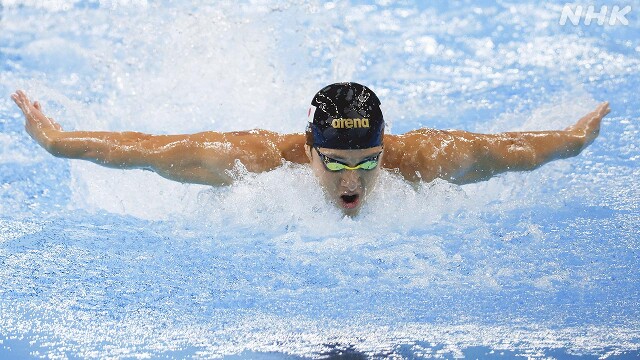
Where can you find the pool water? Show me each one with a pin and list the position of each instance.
(103, 263)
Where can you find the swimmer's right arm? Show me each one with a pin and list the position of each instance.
(463, 157)
(203, 158)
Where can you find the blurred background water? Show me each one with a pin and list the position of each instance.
(103, 263)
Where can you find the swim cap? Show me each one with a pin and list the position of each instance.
(346, 116)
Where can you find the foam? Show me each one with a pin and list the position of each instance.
(12, 152)
(10, 230)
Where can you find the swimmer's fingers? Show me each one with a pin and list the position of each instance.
(32, 111)
(591, 121)
(31, 121)
(589, 125)
(21, 99)
(604, 109)
(47, 121)
(50, 121)
(37, 125)
(595, 117)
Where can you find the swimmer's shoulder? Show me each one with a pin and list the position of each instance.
(270, 145)
(413, 137)
(417, 154)
(253, 136)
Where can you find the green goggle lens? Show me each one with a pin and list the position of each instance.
(367, 165)
(334, 165)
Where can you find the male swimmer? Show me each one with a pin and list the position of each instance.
(345, 145)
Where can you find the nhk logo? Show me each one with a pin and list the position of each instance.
(349, 123)
(575, 13)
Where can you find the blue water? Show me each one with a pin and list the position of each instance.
(103, 263)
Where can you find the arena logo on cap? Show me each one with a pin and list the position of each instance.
(342, 123)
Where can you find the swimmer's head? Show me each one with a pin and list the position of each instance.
(345, 116)
(344, 143)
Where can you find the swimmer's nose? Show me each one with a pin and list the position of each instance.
(350, 180)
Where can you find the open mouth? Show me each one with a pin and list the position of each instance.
(350, 201)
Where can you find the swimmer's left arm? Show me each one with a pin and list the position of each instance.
(485, 155)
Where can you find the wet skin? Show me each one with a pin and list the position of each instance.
(457, 156)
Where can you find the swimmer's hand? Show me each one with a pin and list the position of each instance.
(41, 128)
(588, 127)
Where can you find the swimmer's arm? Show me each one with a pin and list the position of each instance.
(483, 156)
(206, 158)
(203, 158)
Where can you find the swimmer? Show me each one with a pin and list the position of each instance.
(344, 144)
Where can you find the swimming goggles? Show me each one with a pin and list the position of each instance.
(369, 163)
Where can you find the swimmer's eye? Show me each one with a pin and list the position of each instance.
(335, 165)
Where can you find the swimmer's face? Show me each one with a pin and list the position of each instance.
(346, 188)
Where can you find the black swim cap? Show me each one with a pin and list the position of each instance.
(346, 116)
